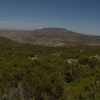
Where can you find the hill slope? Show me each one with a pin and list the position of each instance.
(4, 42)
(50, 36)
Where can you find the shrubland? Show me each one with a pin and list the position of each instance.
(33, 72)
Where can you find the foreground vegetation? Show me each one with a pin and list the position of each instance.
(49, 73)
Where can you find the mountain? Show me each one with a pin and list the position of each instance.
(50, 36)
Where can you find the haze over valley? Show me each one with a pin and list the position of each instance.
(50, 37)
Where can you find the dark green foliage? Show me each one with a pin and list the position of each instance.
(43, 73)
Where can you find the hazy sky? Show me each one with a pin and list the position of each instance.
(78, 15)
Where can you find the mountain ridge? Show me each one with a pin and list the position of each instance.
(50, 37)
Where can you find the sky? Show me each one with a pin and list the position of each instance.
(77, 15)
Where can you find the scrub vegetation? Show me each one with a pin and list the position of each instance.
(33, 72)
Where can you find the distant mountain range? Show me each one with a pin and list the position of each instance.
(50, 37)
